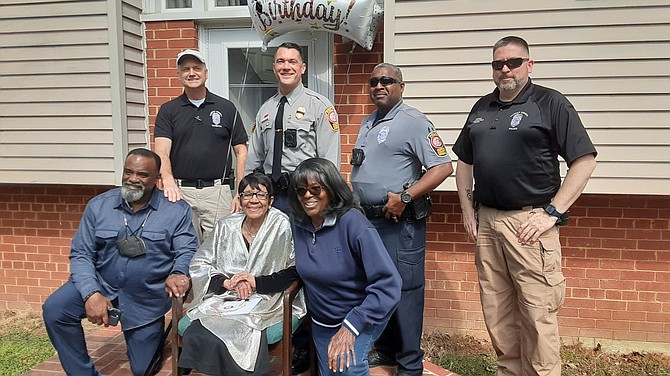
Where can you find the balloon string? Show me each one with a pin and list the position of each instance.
(351, 54)
(246, 70)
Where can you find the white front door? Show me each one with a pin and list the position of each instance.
(241, 71)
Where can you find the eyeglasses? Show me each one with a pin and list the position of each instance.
(385, 81)
(314, 190)
(247, 195)
(511, 63)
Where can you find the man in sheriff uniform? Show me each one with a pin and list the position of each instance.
(293, 125)
(396, 143)
(297, 122)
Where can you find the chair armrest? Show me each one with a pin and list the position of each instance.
(288, 296)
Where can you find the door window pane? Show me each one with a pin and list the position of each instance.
(251, 79)
(227, 3)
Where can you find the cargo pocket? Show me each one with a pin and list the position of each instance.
(411, 266)
(551, 269)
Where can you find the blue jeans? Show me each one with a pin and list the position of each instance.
(322, 336)
(63, 312)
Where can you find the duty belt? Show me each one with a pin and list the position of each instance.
(375, 211)
(200, 183)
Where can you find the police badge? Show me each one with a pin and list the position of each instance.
(216, 119)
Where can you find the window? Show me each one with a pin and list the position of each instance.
(178, 4)
(227, 3)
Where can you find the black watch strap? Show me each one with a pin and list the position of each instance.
(551, 210)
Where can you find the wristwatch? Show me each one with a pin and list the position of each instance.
(405, 197)
(551, 210)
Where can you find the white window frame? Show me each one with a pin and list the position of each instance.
(155, 10)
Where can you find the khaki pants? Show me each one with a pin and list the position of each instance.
(521, 288)
(209, 204)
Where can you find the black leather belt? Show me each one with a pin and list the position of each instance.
(527, 207)
(375, 211)
(200, 183)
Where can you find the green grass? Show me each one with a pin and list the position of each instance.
(468, 356)
(464, 365)
(19, 352)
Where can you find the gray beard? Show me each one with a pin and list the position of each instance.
(508, 86)
(131, 195)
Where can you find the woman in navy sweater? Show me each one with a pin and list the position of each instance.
(351, 283)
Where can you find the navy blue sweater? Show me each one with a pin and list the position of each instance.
(349, 276)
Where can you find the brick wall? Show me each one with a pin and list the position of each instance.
(164, 41)
(616, 248)
(36, 225)
(616, 258)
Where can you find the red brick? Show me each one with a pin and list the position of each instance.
(637, 275)
(641, 213)
(613, 324)
(644, 306)
(652, 265)
(619, 244)
(663, 245)
(652, 286)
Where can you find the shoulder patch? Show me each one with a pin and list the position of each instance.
(436, 144)
(331, 115)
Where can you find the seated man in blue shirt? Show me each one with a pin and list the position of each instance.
(131, 251)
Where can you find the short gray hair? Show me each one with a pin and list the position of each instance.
(392, 67)
(513, 40)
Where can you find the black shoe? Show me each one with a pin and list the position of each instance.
(300, 361)
(401, 372)
(376, 359)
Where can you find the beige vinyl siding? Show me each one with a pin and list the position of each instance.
(73, 95)
(610, 58)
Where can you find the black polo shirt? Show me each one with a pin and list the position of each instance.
(200, 135)
(514, 146)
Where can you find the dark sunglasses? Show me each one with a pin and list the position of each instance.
(385, 81)
(511, 63)
(314, 190)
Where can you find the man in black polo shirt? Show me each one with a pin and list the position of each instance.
(194, 135)
(510, 146)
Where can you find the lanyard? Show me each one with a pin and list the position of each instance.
(139, 229)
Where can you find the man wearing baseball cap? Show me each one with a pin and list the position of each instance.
(194, 134)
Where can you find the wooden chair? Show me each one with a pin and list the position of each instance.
(282, 349)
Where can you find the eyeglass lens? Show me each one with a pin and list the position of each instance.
(385, 81)
(511, 63)
(259, 195)
(314, 190)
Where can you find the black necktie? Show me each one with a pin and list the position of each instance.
(279, 140)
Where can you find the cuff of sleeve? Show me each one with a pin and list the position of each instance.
(90, 294)
(350, 323)
(179, 272)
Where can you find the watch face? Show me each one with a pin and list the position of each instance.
(405, 198)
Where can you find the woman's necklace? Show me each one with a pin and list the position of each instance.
(248, 228)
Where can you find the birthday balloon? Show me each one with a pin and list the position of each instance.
(357, 20)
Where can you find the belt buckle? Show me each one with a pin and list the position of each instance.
(199, 184)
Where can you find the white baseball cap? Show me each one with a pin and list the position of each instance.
(194, 53)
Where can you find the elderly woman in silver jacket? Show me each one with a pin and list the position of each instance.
(258, 240)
